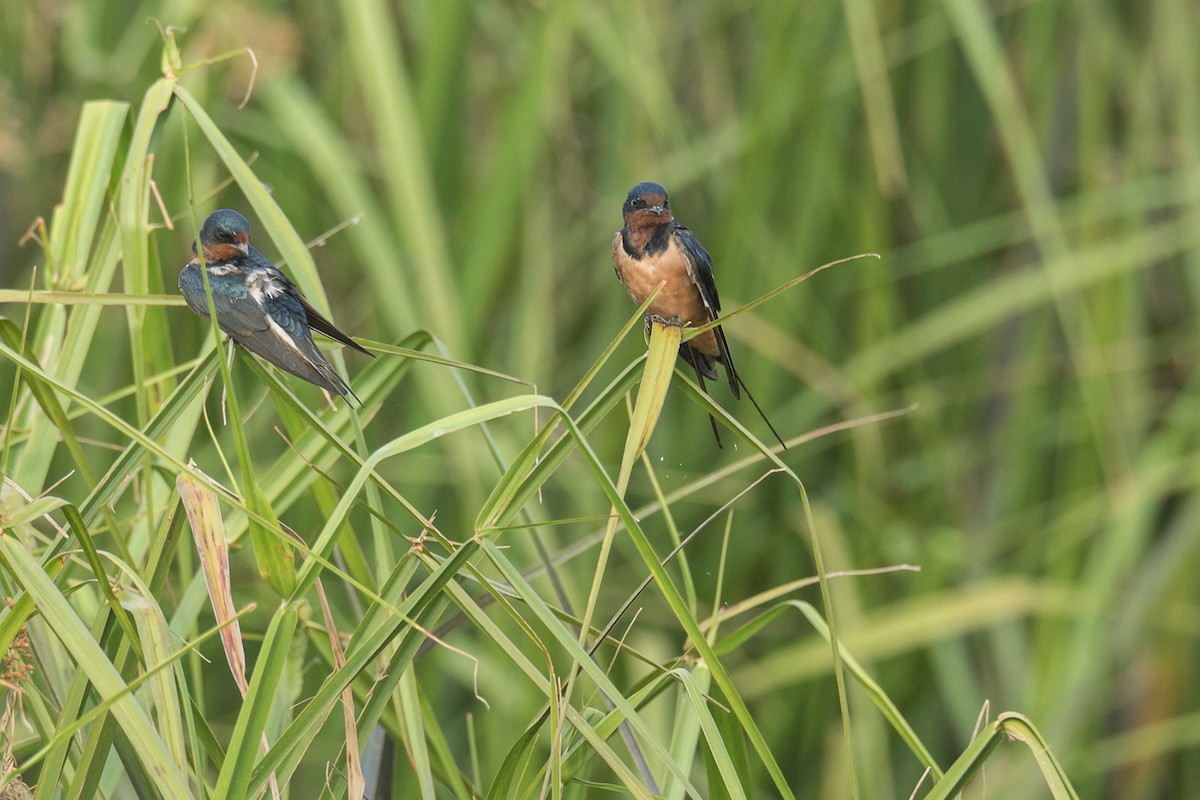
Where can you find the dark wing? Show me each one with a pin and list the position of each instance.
(702, 269)
(288, 344)
(702, 273)
(316, 320)
(701, 266)
(237, 313)
(277, 331)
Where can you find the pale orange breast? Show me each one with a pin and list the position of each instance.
(679, 299)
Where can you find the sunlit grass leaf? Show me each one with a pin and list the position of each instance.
(652, 393)
(156, 646)
(92, 661)
(73, 226)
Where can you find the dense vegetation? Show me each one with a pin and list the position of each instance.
(988, 484)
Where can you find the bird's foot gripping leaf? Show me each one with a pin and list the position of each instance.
(673, 322)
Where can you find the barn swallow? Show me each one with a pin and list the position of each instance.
(652, 248)
(257, 305)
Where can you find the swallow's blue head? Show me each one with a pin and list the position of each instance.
(225, 235)
(647, 204)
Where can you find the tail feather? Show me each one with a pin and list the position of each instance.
(736, 383)
(711, 419)
(318, 322)
(733, 376)
(300, 357)
(727, 359)
(705, 366)
(337, 383)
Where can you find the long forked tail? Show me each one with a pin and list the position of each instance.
(736, 382)
(331, 379)
(341, 386)
(758, 408)
(711, 419)
(699, 363)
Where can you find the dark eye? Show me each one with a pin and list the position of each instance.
(637, 201)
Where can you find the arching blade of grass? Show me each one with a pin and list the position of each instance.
(413, 439)
(1019, 728)
(886, 707)
(910, 627)
(1007, 726)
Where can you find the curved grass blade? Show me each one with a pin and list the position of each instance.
(1008, 725)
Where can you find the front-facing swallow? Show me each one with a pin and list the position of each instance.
(257, 305)
(654, 248)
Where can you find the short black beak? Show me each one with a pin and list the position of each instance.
(243, 247)
(655, 209)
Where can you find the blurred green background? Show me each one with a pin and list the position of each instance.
(1029, 173)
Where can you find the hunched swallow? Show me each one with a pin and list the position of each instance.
(257, 305)
(652, 248)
